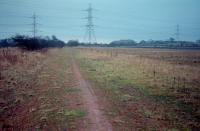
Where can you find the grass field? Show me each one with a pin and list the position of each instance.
(135, 89)
(163, 84)
(37, 91)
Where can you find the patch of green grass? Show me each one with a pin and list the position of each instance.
(71, 90)
(147, 113)
(126, 97)
(117, 73)
(163, 98)
(173, 130)
(74, 113)
(185, 107)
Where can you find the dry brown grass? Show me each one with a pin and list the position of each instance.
(17, 83)
(37, 91)
(169, 76)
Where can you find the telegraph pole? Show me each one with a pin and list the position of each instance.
(34, 24)
(90, 31)
(177, 32)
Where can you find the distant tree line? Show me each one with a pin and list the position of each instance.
(30, 43)
(170, 43)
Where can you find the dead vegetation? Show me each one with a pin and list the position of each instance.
(141, 88)
(169, 77)
(18, 79)
(36, 90)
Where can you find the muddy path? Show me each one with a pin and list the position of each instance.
(97, 120)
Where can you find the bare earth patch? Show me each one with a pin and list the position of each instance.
(98, 122)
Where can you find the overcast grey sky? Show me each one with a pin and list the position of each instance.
(116, 19)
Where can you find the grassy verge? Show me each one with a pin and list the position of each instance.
(128, 84)
(40, 94)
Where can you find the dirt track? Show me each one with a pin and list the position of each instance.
(98, 122)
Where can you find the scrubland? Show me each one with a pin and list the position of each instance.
(37, 91)
(147, 86)
(134, 89)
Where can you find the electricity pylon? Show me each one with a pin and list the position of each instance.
(90, 31)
